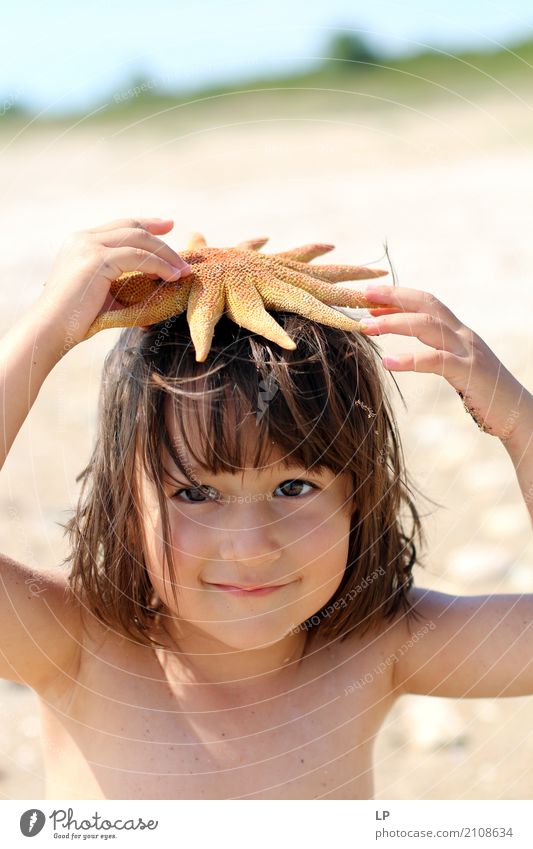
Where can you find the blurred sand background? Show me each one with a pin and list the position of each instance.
(449, 185)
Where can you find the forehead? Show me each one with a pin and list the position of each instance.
(192, 427)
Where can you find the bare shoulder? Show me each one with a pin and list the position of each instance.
(371, 655)
(40, 624)
(365, 659)
(464, 646)
(425, 606)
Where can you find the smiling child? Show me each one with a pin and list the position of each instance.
(238, 615)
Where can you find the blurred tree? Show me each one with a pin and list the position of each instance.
(350, 48)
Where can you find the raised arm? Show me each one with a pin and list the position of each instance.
(40, 626)
(464, 646)
(496, 400)
(519, 446)
(39, 622)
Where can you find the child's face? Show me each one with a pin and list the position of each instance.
(274, 526)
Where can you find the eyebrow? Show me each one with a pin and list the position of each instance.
(174, 470)
(278, 468)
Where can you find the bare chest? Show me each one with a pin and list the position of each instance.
(124, 732)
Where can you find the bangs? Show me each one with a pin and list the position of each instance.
(253, 405)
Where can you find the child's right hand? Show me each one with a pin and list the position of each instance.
(77, 289)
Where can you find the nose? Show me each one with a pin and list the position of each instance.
(250, 539)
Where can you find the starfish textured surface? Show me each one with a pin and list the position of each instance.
(244, 283)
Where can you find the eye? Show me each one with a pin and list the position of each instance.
(294, 486)
(200, 494)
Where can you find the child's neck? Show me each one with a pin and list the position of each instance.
(209, 661)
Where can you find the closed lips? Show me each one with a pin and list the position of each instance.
(250, 589)
(238, 588)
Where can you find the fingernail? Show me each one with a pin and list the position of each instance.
(368, 325)
(177, 271)
(376, 289)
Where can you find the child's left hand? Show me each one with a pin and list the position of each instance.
(489, 391)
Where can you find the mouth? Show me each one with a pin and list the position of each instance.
(250, 591)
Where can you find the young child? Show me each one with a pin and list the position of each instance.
(239, 614)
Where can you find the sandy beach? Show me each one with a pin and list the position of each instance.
(449, 190)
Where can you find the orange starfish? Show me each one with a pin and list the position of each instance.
(244, 283)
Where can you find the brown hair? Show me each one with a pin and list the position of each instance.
(324, 406)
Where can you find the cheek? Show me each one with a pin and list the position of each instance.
(183, 541)
(154, 548)
(190, 543)
(193, 542)
(153, 554)
(321, 548)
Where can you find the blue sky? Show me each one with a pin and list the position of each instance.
(64, 53)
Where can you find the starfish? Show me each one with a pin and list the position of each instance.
(244, 283)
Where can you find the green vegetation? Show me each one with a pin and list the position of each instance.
(348, 47)
(353, 78)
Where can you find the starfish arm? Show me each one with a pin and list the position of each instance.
(282, 296)
(206, 305)
(196, 240)
(251, 244)
(246, 308)
(340, 296)
(132, 287)
(195, 258)
(244, 281)
(336, 273)
(306, 253)
(167, 301)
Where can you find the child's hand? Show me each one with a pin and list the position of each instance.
(77, 290)
(490, 393)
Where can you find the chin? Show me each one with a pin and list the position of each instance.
(251, 635)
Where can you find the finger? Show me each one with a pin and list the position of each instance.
(141, 239)
(414, 300)
(119, 260)
(429, 329)
(384, 311)
(443, 363)
(155, 225)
